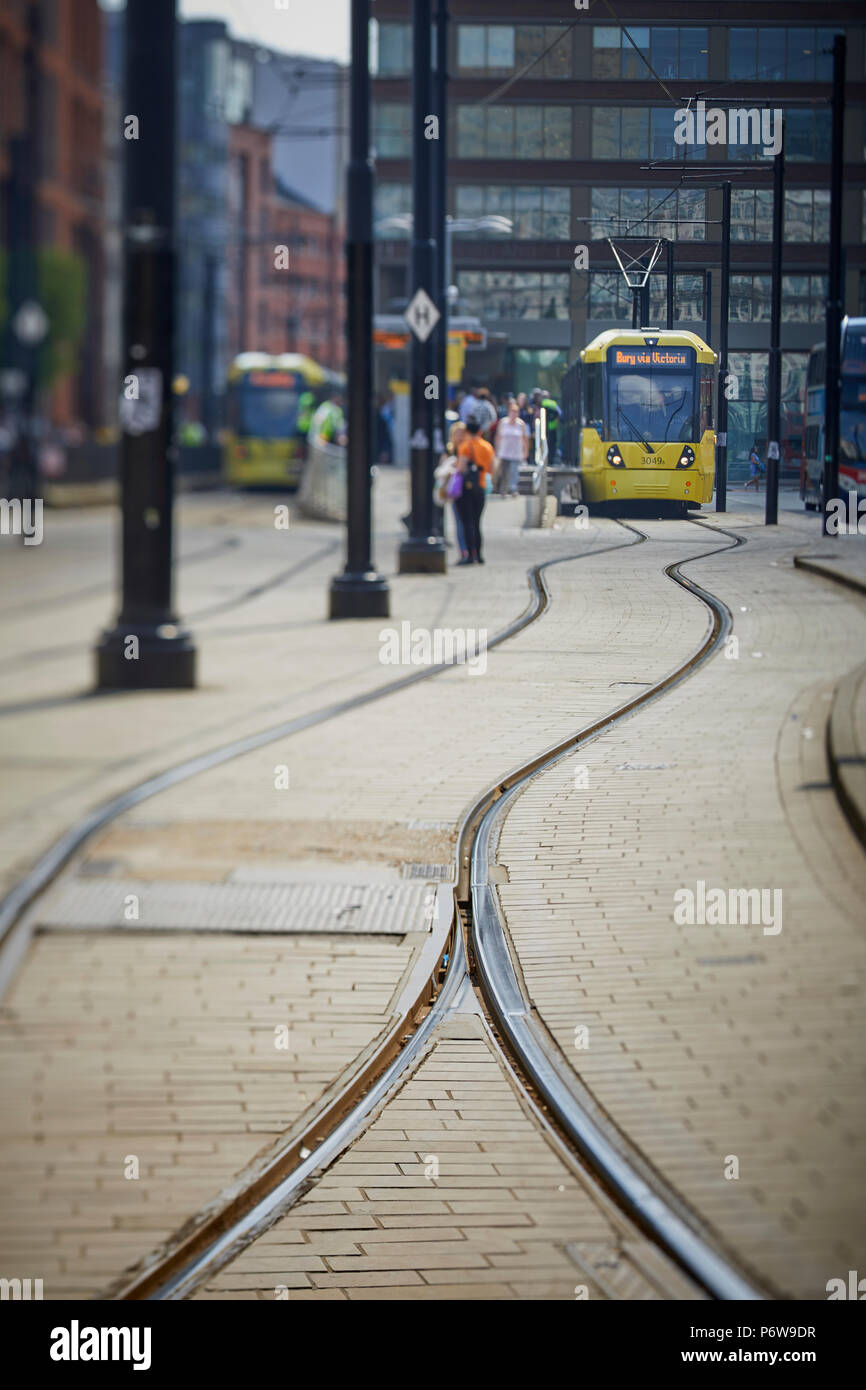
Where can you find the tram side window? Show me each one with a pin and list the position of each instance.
(707, 382)
(593, 408)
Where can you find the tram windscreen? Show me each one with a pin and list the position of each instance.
(651, 395)
(267, 405)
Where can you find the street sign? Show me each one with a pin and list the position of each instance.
(30, 323)
(422, 315)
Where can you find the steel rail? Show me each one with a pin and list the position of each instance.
(538, 1056)
(218, 1242)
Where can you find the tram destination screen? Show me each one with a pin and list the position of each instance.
(628, 358)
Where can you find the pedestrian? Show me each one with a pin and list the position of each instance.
(475, 463)
(756, 468)
(512, 448)
(485, 413)
(445, 472)
(328, 425)
(469, 404)
(384, 438)
(541, 401)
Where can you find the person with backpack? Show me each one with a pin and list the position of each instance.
(475, 466)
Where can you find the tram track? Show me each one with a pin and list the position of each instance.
(47, 654)
(470, 956)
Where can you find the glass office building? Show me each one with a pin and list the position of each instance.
(563, 152)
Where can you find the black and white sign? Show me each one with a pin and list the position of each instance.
(422, 315)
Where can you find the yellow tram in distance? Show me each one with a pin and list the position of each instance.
(637, 417)
(271, 399)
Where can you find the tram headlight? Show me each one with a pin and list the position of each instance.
(614, 456)
(687, 457)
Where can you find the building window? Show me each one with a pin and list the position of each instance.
(678, 214)
(609, 297)
(513, 294)
(803, 298)
(670, 52)
(777, 55)
(750, 298)
(634, 132)
(500, 48)
(392, 200)
(751, 214)
(394, 51)
(807, 136)
(392, 130)
(514, 132)
(807, 214)
(536, 212)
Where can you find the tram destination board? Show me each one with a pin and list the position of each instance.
(627, 358)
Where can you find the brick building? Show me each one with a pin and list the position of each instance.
(69, 162)
(271, 306)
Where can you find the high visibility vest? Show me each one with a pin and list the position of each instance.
(327, 422)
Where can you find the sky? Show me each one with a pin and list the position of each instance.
(316, 28)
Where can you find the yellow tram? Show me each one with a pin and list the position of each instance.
(637, 417)
(270, 402)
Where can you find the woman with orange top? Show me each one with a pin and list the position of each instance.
(475, 463)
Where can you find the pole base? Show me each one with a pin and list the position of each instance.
(145, 657)
(422, 555)
(360, 596)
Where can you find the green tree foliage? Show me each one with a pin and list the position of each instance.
(63, 296)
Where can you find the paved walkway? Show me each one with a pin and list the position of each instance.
(712, 1046)
(375, 795)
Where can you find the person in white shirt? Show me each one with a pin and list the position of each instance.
(512, 448)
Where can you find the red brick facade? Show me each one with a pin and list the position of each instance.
(271, 307)
(70, 186)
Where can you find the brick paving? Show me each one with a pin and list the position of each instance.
(711, 1041)
(164, 1052)
(452, 1193)
(373, 791)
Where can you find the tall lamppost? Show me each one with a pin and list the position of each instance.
(147, 649)
(359, 592)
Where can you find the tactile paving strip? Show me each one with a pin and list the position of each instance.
(391, 909)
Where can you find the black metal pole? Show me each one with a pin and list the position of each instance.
(669, 322)
(22, 270)
(644, 304)
(146, 648)
(208, 344)
(832, 391)
(359, 592)
(724, 311)
(708, 294)
(774, 392)
(635, 308)
(440, 231)
(423, 551)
